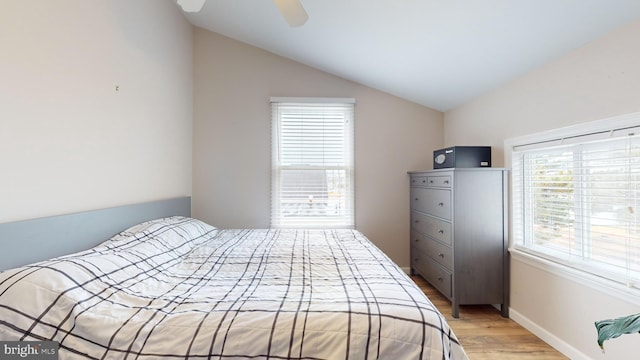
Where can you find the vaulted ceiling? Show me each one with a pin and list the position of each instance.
(438, 53)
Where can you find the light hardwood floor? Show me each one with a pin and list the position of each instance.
(486, 335)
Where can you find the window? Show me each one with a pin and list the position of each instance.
(312, 165)
(576, 198)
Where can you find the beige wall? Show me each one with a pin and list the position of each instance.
(68, 140)
(597, 81)
(232, 145)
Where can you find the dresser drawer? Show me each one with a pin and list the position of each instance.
(418, 198)
(418, 222)
(439, 230)
(434, 273)
(439, 181)
(440, 253)
(435, 202)
(436, 250)
(419, 241)
(418, 180)
(436, 228)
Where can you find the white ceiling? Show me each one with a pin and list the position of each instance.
(438, 53)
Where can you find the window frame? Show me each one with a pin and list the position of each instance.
(574, 270)
(346, 218)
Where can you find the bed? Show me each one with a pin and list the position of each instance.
(176, 288)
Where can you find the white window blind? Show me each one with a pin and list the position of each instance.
(576, 201)
(312, 163)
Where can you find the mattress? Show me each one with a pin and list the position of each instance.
(177, 288)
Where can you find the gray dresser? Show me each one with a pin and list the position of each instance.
(459, 234)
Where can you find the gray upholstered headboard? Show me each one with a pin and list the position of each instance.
(27, 241)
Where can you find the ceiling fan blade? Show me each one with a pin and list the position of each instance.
(191, 5)
(293, 12)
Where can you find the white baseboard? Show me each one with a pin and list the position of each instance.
(559, 344)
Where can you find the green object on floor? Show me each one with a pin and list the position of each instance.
(612, 328)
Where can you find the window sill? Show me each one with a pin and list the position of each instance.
(609, 287)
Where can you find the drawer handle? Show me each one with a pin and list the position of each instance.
(440, 279)
(416, 221)
(440, 231)
(416, 199)
(446, 181)
(416, 240)
(441, 255)
(440, 204)
(430, 181)
(424, 181)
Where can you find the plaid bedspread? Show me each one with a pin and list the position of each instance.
(178, 288)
